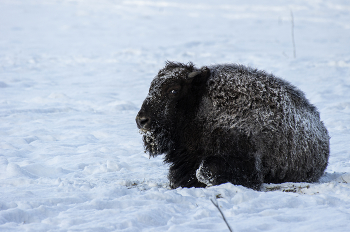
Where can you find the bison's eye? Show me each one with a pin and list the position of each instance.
(174, 91)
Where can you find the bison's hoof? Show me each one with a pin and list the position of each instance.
(204, 175)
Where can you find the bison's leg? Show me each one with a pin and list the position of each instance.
(215, 170)
(183, 176)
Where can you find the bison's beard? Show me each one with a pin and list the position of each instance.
(156, 142)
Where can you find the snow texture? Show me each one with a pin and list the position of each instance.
(73, 75)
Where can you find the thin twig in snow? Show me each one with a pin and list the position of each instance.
(292, 21)
(222, 214)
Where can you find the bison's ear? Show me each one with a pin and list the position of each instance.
(198, 77)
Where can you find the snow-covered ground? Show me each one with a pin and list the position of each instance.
(74, 73)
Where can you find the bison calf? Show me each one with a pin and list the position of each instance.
(231, 123)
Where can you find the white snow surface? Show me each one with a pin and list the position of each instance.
(74, 73)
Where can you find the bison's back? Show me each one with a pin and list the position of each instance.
(290, 141)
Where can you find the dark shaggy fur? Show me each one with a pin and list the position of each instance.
(231, 123)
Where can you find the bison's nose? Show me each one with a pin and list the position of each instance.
(143, 122)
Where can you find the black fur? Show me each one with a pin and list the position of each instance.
(231, 123)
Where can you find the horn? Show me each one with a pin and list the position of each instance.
(193, 74)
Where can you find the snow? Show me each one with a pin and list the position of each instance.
(74, 73)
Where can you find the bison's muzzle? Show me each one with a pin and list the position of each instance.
(143, 122)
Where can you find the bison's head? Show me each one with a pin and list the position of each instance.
(170, 106)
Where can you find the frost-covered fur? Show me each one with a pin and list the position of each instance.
(231, 123)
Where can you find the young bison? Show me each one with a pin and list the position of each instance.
(231, 123)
